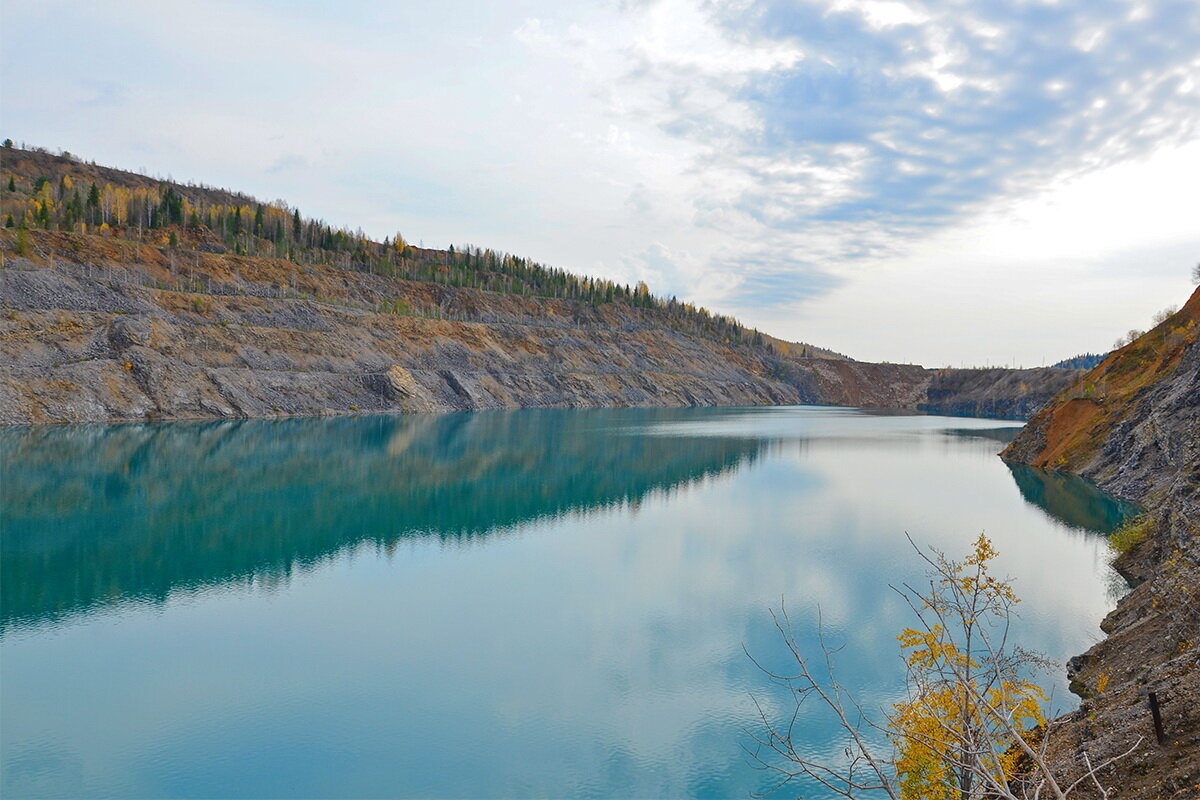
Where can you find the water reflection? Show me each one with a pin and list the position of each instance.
(338, 608)
(104, 513)
(1001, 435)
(1071, 500)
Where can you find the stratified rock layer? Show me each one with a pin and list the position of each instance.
(101, 338)
(103, 329)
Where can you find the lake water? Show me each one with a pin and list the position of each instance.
(498, 604)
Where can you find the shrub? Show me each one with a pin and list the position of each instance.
(1131, 534)
(394, 307)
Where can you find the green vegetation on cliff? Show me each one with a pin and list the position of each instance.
(1082, 361)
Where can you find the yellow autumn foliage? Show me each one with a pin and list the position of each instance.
(965, 708)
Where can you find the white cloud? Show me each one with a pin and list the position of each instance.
(881, 14)
(749, 156)
(1062, 271)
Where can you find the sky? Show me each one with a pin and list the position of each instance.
(966, 182)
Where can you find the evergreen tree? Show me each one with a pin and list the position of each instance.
(170, 209)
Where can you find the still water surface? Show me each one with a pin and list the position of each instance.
(500, 604)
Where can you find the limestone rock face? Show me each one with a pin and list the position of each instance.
(398, 385)
(85, 343)
(103, 330)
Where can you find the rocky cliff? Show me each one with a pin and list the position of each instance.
(103, 330)
(96, 328)
(127, 297)
(1132, 425)
(994, 392)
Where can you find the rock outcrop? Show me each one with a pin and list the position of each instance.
(994, 392)
(103, 329)
(106, 330)
(128, 297)
(1132, 425)
(96, 329)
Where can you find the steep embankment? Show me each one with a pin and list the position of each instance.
(97, 328)
(129, 297)
(1132, 425)
(994, 392)
(109, 329)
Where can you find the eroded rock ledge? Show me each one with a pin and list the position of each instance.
(96, 329)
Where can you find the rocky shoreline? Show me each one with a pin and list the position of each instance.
(1132, 426)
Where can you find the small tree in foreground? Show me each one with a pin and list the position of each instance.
(972, 723)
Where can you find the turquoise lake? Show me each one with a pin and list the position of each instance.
(496, 604)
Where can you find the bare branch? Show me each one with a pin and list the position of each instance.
(968, 706)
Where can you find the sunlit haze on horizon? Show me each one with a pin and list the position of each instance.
(945, 183)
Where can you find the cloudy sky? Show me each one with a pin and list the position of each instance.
(981, 181)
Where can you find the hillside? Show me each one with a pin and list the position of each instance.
(105, 329)
(803, 349)
(994, 391)
(61, 193)
(1132, 425)
(126, 297)
(1110, 425)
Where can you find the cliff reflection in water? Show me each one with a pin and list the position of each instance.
(100, 514)
(1071, 500)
